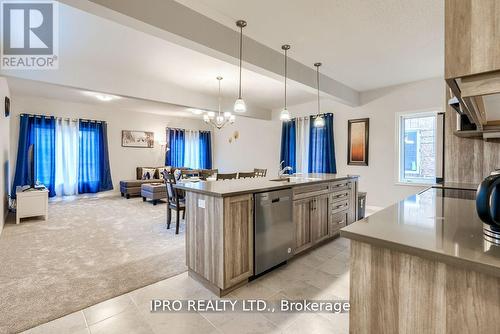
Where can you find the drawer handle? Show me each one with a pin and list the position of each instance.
(340, 196)
(341, 221)
(340, 206)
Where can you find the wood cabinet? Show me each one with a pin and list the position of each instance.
(302, 221)
(311, 221)
(320, 211)
(319, 218)
(337, 221)
(238, 239)
(219, 240)
(472, 35)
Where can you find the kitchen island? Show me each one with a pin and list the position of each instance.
(423, 266)
(220, 222)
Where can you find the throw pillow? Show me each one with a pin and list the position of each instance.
(162, 169)
(148, 173)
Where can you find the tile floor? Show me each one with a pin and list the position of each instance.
(322, 273)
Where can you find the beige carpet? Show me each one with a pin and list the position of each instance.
(90, 249)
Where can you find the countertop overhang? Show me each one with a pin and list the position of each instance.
(438, 224)
(236, 187)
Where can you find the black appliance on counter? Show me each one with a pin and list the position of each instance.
(488, 206)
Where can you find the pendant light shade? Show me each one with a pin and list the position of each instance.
(319, 120)
(239, 104)
(285, 114)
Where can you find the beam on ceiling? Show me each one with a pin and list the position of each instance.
(179, 24)
(85, 77)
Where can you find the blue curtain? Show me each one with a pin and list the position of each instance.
(287, 153)
(40, 132)
(321, 147)
(205, 150)
(94, 174)
(175, 154)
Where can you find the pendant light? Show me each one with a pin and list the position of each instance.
(285, 114)
(239, 104)
(319, 121)
(221, 119)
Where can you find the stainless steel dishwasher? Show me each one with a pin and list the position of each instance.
(273, 229)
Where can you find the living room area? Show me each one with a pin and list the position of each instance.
(94, 244)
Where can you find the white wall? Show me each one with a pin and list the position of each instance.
(123, 161)
(4, 154)
(258, 146)
(260, 140)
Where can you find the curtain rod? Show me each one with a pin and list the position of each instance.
(63, 118)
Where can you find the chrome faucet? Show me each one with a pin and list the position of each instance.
(282, 171)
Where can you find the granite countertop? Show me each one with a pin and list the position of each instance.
(225, 188)
(457, 185)
(439, 224)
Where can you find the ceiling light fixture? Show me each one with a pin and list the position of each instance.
(196, 111)
(285, 114)
(222, 118)
(102, 97)
(239, 104)
(319, 121)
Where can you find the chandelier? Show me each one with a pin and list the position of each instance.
(220, 119)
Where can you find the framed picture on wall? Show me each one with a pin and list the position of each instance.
(357, 141)
(141, 139)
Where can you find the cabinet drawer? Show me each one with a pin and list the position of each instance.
(339, 206)
(340, 195)
(340, 185)
(337, 221)
(310, 191)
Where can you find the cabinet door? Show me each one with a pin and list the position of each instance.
(238, 239)
(319, 218)
(302, 222)
(472, 31)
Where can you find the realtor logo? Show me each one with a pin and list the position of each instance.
(29, 34)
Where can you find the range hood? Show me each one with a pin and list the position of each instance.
(455, 104)
(478, 98)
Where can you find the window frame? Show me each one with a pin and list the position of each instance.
(399, 161)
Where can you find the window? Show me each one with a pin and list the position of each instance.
(188, 148)
(417, 148)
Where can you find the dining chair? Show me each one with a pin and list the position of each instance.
(260, 172)
(206, 173)
(190, 173)
(228, 176)
(244, 175)
(175, 201)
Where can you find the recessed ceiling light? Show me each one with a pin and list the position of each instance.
(196, 111)
(103, 97)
